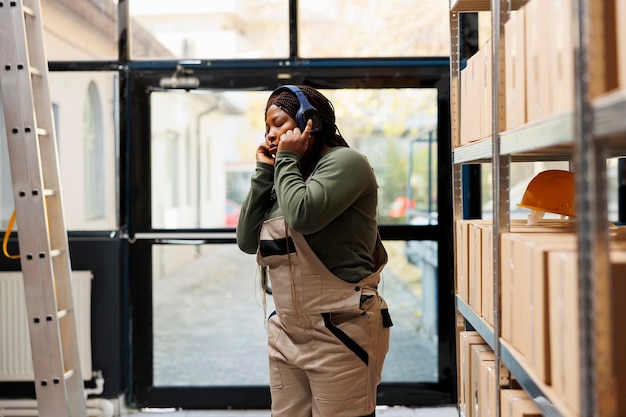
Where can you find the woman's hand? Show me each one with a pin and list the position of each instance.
(296, 141)
(263, 154)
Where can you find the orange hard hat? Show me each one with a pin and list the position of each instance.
(552, 191)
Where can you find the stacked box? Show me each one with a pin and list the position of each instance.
(507, 284)
(564, 325)
(462, 256)
(475, 267)
(470, 98)
(486, 116)
(487, 395)
(602, 61)
(516, 403)
(562, 56)
(618, 289)
(620, 14)
(517, 285)
(487, 273)
(480, 354)
(538, 60)
(535, 339)
(467, 257)
(468, 339)
(515, 70)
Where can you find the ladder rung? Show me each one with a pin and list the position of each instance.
(64, 312)
(28, 11)
(35, 71)
(55, 252)
(42, 132)
(48, 192)
(68, 374)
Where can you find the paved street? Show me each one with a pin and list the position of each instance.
(209, 323)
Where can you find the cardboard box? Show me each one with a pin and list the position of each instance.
(470, 98)
(475, 267)
(469, 101)
(544, 226)
(620, 18)
(507, 284)
(467, 340)
(462, 255)
(463, 105)
(564, 324)
(520, 293)
(538, 61)
(480, 354)
(514, 278)
(618, 289)
(534, 339)
(515, 69)
(474, 261)
(486, 79)
(602, 61)
(562, 56)
(519, 287)
(517, 403)
(487, 305)
(487, 395)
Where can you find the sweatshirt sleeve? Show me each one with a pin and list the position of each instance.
(341, 177)
(254, 208)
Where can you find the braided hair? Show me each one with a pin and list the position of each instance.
(329, 134)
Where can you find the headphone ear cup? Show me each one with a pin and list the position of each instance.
(306, 111)
(313, 115)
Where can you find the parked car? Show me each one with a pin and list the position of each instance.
(232, 213)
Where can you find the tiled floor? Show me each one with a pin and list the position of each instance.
(380, 412)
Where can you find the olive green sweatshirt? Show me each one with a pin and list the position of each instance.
(335, 210)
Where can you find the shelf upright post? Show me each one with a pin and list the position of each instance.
(597, 383)
(455, 109)
(455, 122)
(501, 170)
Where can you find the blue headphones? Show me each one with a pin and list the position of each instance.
(306, 110)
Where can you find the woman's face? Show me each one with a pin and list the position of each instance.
(277, 122)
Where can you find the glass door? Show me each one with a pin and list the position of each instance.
(208, 309)
(202, 312)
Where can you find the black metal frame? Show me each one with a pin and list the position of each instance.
(137, 79)
(143, 78)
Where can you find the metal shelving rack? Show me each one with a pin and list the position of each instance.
(587, 135)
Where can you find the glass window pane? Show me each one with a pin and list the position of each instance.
(370, 28)
(200, 29)
(396, 129)
(204, 146)
(84, 105)
(410, 288)
(217, 336)
(80, 30)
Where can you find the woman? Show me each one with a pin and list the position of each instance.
(310, 216)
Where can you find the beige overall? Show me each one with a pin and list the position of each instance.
(328, 339)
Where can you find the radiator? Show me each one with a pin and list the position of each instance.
(16, 363)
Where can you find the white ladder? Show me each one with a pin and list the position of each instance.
(43, 243)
